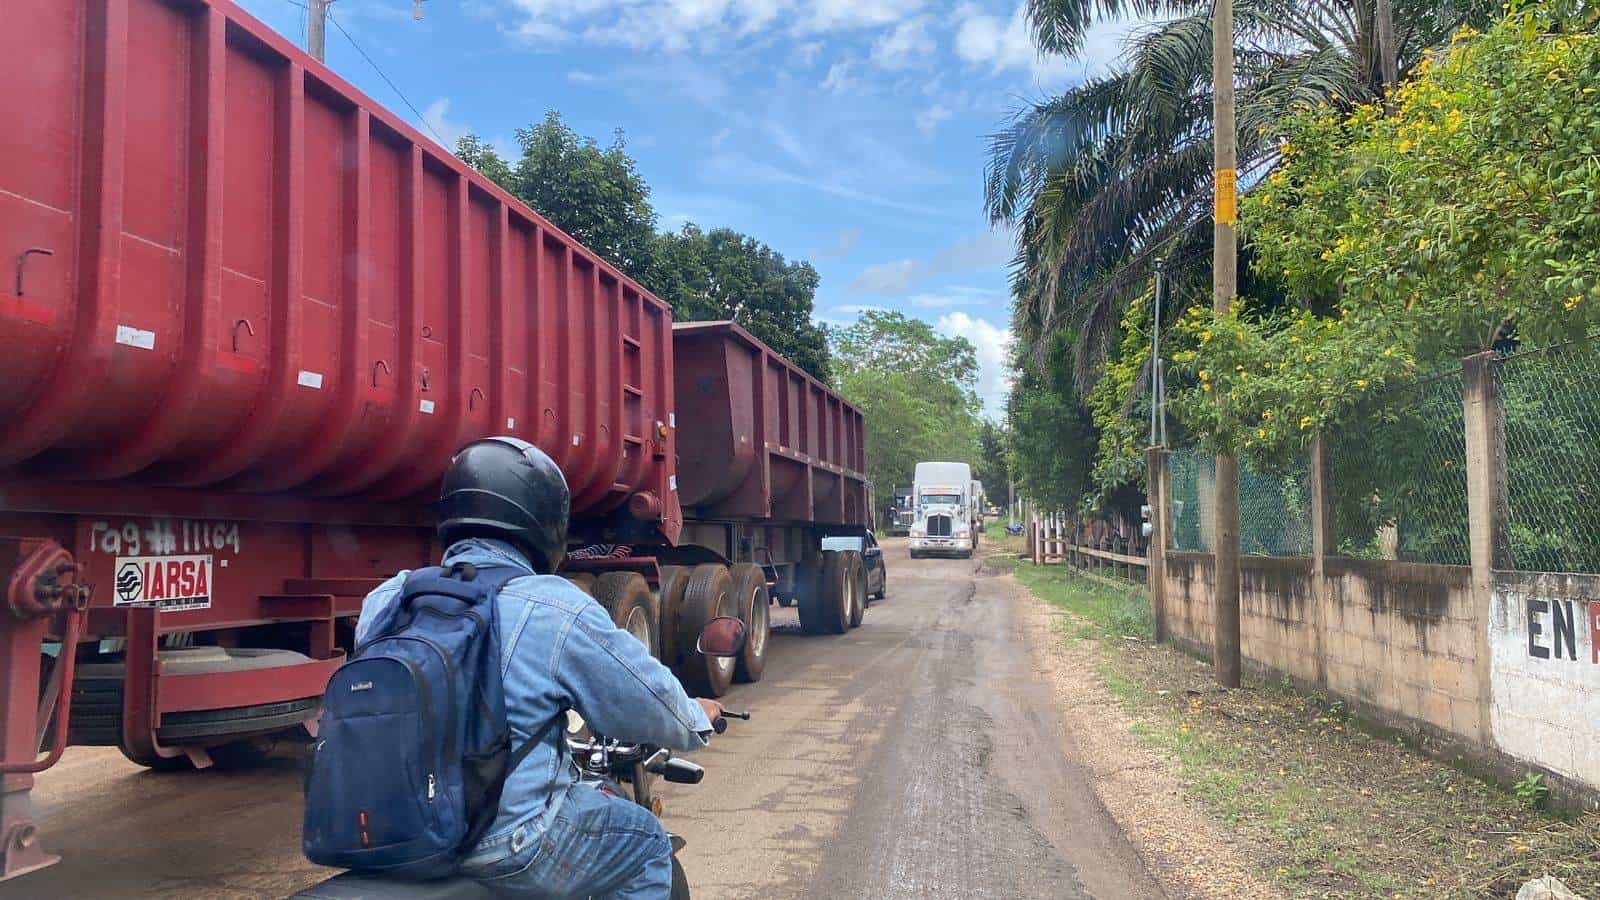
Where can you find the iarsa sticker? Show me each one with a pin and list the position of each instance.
(170, 583)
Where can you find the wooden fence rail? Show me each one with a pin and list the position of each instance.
(1057, 539)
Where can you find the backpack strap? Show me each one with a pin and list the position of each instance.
(527, 746)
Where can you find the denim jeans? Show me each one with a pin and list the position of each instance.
(598, 845)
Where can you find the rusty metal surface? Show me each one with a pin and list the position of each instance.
(759, 438)
(235, 271)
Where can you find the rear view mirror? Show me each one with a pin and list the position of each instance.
(722, 638)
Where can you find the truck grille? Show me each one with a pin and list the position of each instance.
(938, 526)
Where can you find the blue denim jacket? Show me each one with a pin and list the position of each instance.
(559, 650)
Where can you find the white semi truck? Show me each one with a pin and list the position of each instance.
(944, 523)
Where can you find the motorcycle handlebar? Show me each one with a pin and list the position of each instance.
(681, 771)
(720, 724)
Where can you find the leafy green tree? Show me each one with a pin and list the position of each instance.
(479, 154)
(1468, 216)
(722, 274)
(1052, 437)
(994, 469)
(593, 193)
(597, 195)
(917, 390)
(1103, 180)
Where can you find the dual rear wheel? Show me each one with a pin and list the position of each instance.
(835, 599)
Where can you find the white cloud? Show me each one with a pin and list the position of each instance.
(988, 40)
(720, 137)
(886, 278)
(842, 247)
(956, 296)
(806, 54)
(856, 309)
(929, 119)
(839, 80)
(907, 44)
(790, 144)
(746, 169)
(1002, 44)
(993, 345)
(683, 25)
(436, 117)
(981, 251)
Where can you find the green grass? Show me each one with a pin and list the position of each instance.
(1112, 611)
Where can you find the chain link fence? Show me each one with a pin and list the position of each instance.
(1550, 403)
(1275, 509)
(1398, 475)
(1191, 500)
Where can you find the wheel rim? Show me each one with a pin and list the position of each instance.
(723, 667)
(639, 627)
(758, 624)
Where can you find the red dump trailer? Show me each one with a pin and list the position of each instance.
(249, 315)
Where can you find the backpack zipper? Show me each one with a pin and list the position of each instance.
(430, 787)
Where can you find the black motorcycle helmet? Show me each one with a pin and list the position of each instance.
(508, 489)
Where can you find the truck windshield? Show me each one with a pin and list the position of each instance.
(941, 499)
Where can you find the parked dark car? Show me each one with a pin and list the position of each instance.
(871, 554)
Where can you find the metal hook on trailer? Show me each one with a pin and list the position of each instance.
(22, 262)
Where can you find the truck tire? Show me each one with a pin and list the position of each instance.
(826, 608)
(673, 580)
(707, 595)
(750, 593)
(858, 587)
(627, 597)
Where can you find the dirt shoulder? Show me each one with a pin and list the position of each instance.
(1266, 792)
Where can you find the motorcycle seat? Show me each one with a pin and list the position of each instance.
(363, 886)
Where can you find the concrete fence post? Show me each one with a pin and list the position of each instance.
(1322, 546)
(1484, 423)
(1156, 569)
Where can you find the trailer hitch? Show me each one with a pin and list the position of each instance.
(43, 597)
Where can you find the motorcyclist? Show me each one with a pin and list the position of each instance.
(505, 503)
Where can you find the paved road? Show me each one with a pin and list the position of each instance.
(916, 757)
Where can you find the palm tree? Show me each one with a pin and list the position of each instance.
(1104, 179)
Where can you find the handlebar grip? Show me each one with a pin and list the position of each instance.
(719, 724)
(681, 771)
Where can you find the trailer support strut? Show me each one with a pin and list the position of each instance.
(42, 597)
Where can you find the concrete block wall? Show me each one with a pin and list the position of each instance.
(1503, 662)
(1397, 638)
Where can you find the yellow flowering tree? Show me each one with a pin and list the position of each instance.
(1467, 218)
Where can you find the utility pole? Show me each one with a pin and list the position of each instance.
(317, 29)
(1388, 53)
(1224, 285)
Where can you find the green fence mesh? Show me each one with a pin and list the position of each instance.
(1275, 509)
(1551, 406)
(1398, 475)
(1191, 494)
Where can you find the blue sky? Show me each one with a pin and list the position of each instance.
(846, 132)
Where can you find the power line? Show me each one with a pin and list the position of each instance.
(386, 80)
(414, 111)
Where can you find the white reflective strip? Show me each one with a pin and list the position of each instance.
(310, 379)
(426, 406)
(575, 440)
(510, 422)
(672, 482)
(672, 420)
(136, 337)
